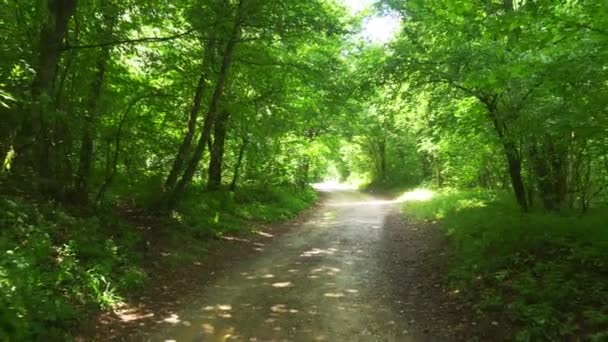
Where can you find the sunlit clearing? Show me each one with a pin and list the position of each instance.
(416, 195)
(332, 185)
(419, 195)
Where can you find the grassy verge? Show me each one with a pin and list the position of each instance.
(58, 268)
(546, 274)
(209, 215)
(226, 212)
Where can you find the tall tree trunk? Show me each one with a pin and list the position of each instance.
(558, 152)
(550, 171)
(174, 197)
(514, 165)
(304, 172)
(34, 132)
(85, 161)
(513, 158)
(239, 162)
(184, 148)
(214, 180)
(382, 159)
(542, 174)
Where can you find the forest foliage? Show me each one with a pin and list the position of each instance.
(214, 113)
(510, 98)
(207, 115)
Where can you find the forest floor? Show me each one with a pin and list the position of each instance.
(351, 269)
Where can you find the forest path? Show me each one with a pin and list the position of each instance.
(353, 271)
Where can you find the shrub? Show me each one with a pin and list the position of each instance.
(547, 272)
(55, 268)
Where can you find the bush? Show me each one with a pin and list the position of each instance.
(56, 268)
(212, 213)
(547, 272)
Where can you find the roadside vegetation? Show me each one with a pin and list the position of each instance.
(544, 274)
(60, 267)
(131, 128)
(189, 120)
(502, 107)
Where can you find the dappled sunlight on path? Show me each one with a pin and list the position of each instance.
(408, 196)
(322, 281)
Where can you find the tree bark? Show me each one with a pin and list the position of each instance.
(550, 171)
(542, 175)
(184, 148)
(239, 162)
(175, 196)
(513, 158)
(34, 132)
(382, 159)
(85, 161)
(214, 180)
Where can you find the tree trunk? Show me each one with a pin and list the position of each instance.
(559, 171)
(542, 175)
(513, 158)
(514, 163)
(85, 161)
(175, 196)
(239, 162)
(382, 159)
(184, 148)
(34, 132)
(550, 170)
(214, 180)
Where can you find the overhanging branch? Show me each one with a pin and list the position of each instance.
(129, 41)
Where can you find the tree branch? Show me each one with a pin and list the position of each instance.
(129, 41)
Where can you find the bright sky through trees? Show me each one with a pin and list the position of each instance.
(376, 29)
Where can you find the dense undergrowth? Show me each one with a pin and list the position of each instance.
(60, 266)
(546, 274)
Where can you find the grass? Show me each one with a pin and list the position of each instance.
(546, 273)
(57, 267)
(60, 268)
(203, 216)
(217, 213)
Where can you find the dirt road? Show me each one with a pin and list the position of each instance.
(353, 271)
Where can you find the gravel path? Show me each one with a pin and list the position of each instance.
(353, 271)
